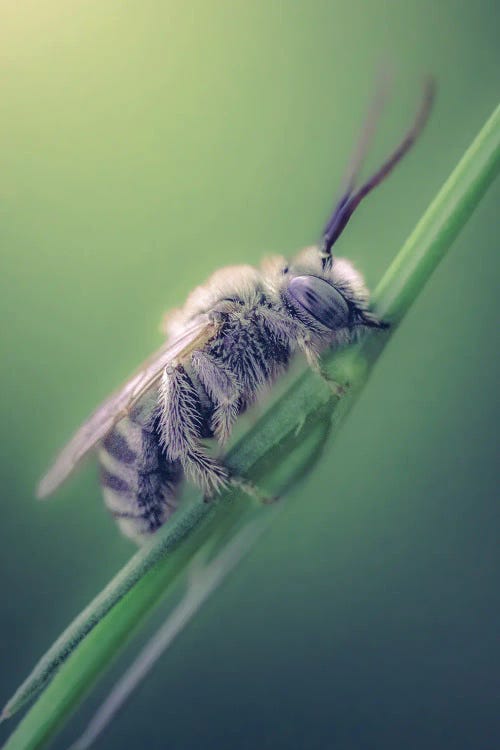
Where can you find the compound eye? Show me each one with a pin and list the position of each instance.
(320, 299)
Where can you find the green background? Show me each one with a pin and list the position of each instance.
(144, 144)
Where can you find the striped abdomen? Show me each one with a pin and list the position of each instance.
(139, 483)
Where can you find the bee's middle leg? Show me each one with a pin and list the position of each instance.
(180, 427)
(222, 386)
(223, 389)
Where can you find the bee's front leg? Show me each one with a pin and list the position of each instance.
(285, 329)
(314, 361)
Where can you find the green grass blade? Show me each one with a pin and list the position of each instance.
(204, 577)
(269, 451)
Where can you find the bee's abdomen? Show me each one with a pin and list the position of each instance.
(138, 482)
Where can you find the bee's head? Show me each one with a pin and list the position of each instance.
(336, 297)
(326, 290)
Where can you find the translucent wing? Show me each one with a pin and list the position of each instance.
(121, 401)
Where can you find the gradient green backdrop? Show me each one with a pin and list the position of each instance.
(144, 144)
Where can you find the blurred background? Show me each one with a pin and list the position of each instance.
(144, 145)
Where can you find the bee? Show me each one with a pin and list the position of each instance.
(234, 336)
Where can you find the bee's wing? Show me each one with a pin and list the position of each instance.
(120, 402)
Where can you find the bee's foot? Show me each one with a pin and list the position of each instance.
(253, 491)
(338, 389)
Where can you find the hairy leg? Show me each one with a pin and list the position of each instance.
(314, 361)
(180, 427)
(287, 331)
(180, 430)
(223, 390)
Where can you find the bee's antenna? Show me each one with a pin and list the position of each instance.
(349, 200)
(382, 92)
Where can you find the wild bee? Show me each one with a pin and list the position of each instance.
(235, 334)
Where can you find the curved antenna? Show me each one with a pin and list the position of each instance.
(379, 100)
(349, 201)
